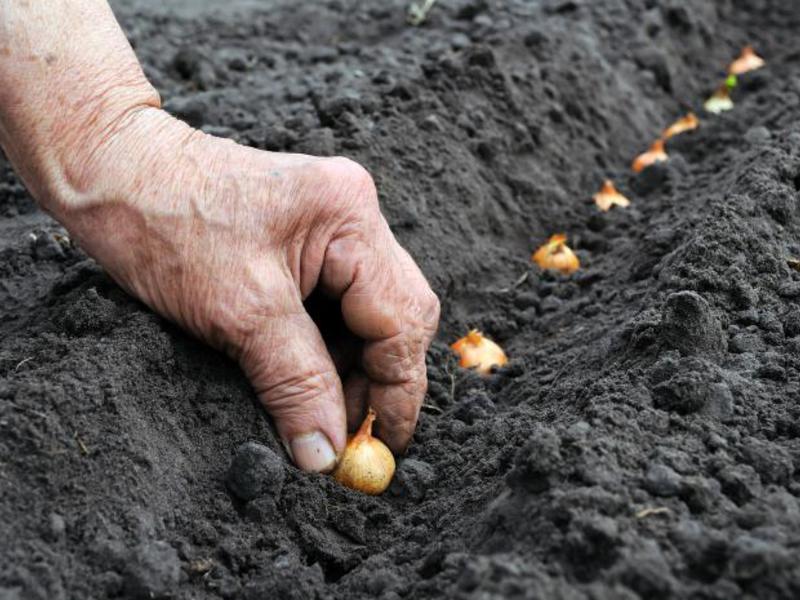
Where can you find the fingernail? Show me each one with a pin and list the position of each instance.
(313, 452)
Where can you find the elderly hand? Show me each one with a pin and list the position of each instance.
(229, 242)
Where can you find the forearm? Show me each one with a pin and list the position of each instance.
(69, 82)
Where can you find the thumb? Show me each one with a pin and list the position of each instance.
(296, 380)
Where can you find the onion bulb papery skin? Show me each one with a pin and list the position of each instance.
(608, 196)
(747, 61)
(719, 102)
(367, 464)
(655, 154)
(687, 123)
(555, 255)
(475, 351)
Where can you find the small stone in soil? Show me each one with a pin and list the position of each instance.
(255, 470)
(660, 480)
(690, 326)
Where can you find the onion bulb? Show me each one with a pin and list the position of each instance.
(686, 123)
(655, 154)
(366, 465)
(748, 61)
(478, 352)
(555, 255)
(608, 196)
(720, 101)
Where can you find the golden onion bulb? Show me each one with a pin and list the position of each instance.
(687, 123)
(719, 101)
(748, 61)
(366, 465)
(476, 351)
(608, 196)
(655, 154)
(555, 255)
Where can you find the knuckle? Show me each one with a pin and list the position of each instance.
(425, 310)
(354, 181)
(352, 170)
(433, 310)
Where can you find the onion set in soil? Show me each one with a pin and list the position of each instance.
(687, 123)
(748, 61)
(555, 255)
(366, 465)
(608, 196)
(655, 154)
(720, 101)
(476, 351)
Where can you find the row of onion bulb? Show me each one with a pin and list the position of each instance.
(475, 350)
(367, 464)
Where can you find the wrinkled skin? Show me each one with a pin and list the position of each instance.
(229, 242)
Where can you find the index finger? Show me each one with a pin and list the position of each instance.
(387, 302)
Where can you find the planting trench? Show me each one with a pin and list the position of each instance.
(642, 441)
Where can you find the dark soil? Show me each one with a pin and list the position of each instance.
(664, 375)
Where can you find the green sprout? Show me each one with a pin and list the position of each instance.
(418, 11)
(731, 81)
